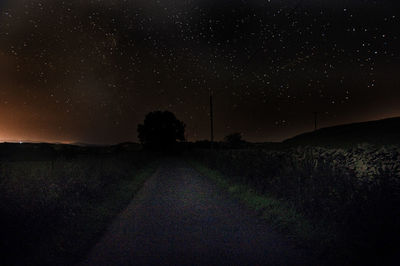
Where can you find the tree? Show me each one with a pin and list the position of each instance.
(234, 140)
(161, 130)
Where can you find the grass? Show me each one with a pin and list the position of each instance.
(281, 215)
(338, 201)
(93, 219)
(54, 212)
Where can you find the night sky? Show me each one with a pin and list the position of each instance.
(89, 71)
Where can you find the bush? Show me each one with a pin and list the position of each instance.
(354, 190)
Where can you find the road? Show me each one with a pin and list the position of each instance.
(181, 218)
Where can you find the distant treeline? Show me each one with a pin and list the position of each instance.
(47, 151)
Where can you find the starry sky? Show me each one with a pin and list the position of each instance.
(89, 71)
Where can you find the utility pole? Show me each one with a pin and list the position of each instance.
(211, 119)
(315, 120)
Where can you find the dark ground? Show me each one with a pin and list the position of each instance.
(180, 218)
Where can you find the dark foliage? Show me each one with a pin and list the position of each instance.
(161, 130)
(234, 140)
(14, 152)
(355, 191)
(45, 203)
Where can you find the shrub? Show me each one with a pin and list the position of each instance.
(354, 190)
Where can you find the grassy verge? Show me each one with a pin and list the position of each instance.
(85, 228)
(346, 195)
(278, 213)
(77, 223)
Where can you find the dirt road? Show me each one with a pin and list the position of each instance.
(180, 218)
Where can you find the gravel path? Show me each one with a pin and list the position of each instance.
(181, 218)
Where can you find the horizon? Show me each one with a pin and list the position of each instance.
(78, 143)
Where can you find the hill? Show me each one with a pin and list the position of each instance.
(379, 132)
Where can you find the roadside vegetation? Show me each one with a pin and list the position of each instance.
(341, 202)
(54, 210)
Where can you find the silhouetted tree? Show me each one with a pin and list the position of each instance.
(161, 130)
(234, 140)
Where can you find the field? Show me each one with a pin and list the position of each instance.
(56, 201)
(341, 201)
(54, 208)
